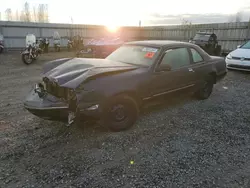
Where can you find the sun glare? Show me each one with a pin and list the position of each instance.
(112, 28)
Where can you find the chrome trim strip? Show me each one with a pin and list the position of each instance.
(147, 98)
(170, 91)
(45, 108)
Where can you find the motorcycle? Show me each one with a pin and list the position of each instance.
(70, 45)
(1, 43)
(31, 51)
(57, 41)
(44, 44)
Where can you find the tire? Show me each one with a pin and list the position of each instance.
(119, 113)
(206, 89)
(1, 50)
(24, 59)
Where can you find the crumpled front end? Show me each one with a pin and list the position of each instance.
(45, 105)
(64, 80)
(50, 101)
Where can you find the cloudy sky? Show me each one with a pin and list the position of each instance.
(129, 12)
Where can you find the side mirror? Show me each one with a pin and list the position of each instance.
(163, 68)
(238, 46)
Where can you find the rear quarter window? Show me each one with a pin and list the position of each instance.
(196, 56)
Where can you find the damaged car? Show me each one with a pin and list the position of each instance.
(113, 90)
(100, 48)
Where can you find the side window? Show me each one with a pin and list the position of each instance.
(196, 56)
(176, 58)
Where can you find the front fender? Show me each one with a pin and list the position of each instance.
(86, 99)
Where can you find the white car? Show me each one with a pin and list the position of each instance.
(239, 59)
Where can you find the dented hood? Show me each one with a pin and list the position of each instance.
(71, 73)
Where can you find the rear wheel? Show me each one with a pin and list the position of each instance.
(206, 89)
(120, 113)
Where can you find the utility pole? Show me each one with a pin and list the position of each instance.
(248, 30)
(71, 33)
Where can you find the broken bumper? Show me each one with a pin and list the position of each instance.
(51, 108)
(46, 107)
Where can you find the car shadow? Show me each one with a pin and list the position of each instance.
(93, 127)
(239, 71)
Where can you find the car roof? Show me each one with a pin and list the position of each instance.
(159, 43)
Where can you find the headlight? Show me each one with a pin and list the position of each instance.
(229, 56)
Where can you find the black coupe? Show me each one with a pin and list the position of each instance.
(113, 89)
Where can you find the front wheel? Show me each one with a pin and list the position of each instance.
(206, 89)
(1, 50)
(27, 59)
(120, 113)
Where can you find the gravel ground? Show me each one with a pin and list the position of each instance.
(180, 143)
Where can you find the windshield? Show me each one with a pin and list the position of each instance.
(30, 39)
(138, 55)
(246, 45)
(201, 37)
(56, 36)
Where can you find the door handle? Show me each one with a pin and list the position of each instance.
(190, 70)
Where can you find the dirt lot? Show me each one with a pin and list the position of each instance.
(181, 143)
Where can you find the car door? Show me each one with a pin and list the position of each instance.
(198, 66)
(179, 77)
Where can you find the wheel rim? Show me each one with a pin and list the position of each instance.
(118, 113)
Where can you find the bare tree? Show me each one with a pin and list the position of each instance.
(39, 14)
(46, 14)
(238, 17)
(187, 25)
(231, 18)
(186, 22)
(34, 15)
(17, 18)
(8, 14)
(27, 12)
(42, 13)
(22, 17)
